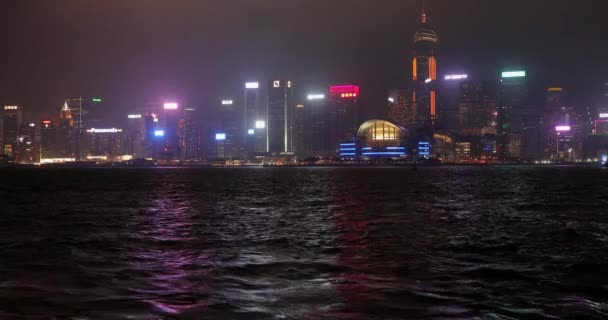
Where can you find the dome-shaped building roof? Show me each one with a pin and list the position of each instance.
(381, 130)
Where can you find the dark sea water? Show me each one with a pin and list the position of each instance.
(304, 243)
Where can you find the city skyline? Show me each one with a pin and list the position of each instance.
(330, 55)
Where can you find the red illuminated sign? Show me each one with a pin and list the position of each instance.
(344, 92)
(46, 122)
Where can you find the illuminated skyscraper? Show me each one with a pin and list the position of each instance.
(401, 110)
(12, 117)
(65, 117)
(424, 73)
(512, 115)
(171, 150)
(318, 135)
(135, 136)
(65, 134)
(191, 128)
(254, 117)
(280, 117)
(477, 109)
(104, 144)
(229, 125)
(299, 123)
(344, 114)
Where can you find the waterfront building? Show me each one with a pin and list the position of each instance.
(280, 117)
(104, 144)
(12, 120)
(191, 134)
(299, 126)
(401, 110)
(511, 114)
(376, 139)
(135, 136)
(317, 120)
(344, 114)
(171, 149)
(254, 117)
(229, 125)
(424, 74)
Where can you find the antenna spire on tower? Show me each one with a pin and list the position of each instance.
(423, 12)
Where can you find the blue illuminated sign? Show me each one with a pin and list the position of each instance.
(383, 153)
(220, 136)
(159, 133)
(251, 132)
(424, 148)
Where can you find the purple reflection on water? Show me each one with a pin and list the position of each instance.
(172, 273)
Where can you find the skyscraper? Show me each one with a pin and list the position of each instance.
(424, 73)
(477, 109)
(65, 134)
(135, 136)
(344, 114)
(104, 144)
(12, 117)
(401, 110)
(317, 121)
(192, 133)
(512, 115)
(299, 124)
(254, 117)
(152, 135)
(280, 117)
(229, 125)
(171, 150)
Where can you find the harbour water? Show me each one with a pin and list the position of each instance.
(304, 243)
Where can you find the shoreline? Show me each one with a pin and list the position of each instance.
(345, 165)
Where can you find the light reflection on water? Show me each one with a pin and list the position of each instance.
(317, 243)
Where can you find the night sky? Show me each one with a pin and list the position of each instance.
(138, 52)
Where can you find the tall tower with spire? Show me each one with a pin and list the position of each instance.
(66, 117)
(424, 72)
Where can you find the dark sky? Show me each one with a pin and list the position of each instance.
(135, 52)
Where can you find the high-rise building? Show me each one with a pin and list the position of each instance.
(512, 115)
(171, 149)
(424, 73)
(299, 123)
(401, 110)
(29, 144)
(135, 136)
(229, 125)
(12, 118)
(344, 114)
(105, 144)
(254, 117)
(191, 136)
(318, 136)
(554, 114)
(477, 109)
(48, 142)
(280, 117)
(153, 135)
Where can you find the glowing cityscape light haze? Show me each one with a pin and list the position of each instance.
(170, 106)
(514, 74)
